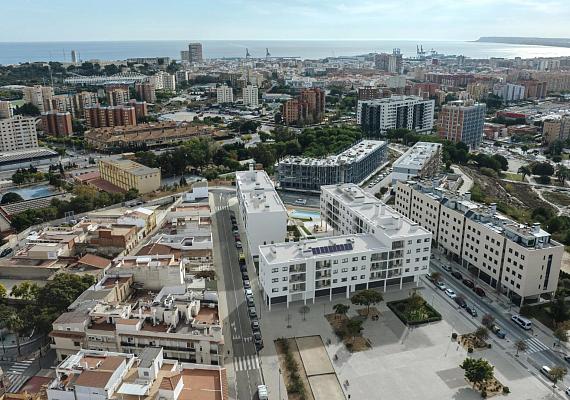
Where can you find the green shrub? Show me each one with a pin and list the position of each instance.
(506, 390)
(470, 350)
(454, 335)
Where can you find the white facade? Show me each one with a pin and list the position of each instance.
(522, 261)
(18, 133)
(250, 96)
(224, 94)
(6, 110)
(376, 248)
(263, 213)
(169, 82)
(509, 92)
(422, 159)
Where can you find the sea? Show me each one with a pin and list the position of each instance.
(19, 52)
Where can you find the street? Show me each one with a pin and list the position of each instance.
(237, 326)
(538, 352)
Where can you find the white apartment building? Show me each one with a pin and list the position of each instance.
(40, 96)
(263, 213)
(376, 248)
(6, 110)
(224, 94)
(168, 82)
(250, 96)
(376, 116)
(509, 92)
(18, 133)
(423, 159)
(521, 261)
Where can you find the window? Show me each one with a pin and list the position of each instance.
(344, 260)
(344, 279)
(409, 242)
(418, 250)
(335, 262)
(344, 270)
(426, 248)
(354, 258)
(353, 278)
(284, 269)
(335, 280)
(426, 240)
(274, 290)
(419, 241)
(284, 288)
(335, 271)
(275, 280)
(363, 268)
(275, 270)
(362, 276)
(363, 258)
(285, 279)
(354, 268)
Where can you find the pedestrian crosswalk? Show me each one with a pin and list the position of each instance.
(534, 346)
(246, 363)
(15, 375)
(247, 339)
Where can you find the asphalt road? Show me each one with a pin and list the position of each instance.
(289, 197)
(537, 354)
(244, 355)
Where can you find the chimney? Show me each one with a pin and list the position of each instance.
(493, 208)
(467, 196)
(535, 227)
(376, 209)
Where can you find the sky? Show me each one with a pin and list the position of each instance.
(101, 20)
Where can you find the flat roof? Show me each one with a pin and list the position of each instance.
(320, 248)
(132, 167)
(351, 155)
(417, 156)
(251, 180)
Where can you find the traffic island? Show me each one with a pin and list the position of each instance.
(414, 310)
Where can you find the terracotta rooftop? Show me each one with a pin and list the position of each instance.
(94, 261)
(157, 248)
(202, 384)
(170, 382)
(98, 379)
(34, 384)
(208, 315)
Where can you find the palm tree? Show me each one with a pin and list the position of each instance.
(520, 345)
(524, 171)
(340, 309)
(15, 325)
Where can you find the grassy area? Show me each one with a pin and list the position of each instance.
(512, 177)
(557, 198)
(420, 314)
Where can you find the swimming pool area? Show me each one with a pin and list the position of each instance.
(305, 214)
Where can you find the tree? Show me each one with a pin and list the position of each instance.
(481, 333)
(11, 197)
(562, 173)
(435, 276)
(131, 194)
(304, 310)
(26, 290)
(542, 168)
(557, 374)
(367, 297)
(488, 320)
(477, 371)
(14, 324)
(561, 332)
(558, 309)
(520, 345)
(340, 309)
(3, 291)
(354, 327)
(27, 109)
(524, 171)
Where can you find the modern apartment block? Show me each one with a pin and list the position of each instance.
(117, 95)
(195, 52)
(224, 94)
(509, 92)
(127, 174)
(521, 261)
(81, 101)
(106, 375)
(105, 117)
(462, 121)
(40, 96)
(57, 123)
(375, 117)
(250, 96)
(351, 166)
(369, 93)
(18, 133)
(146, 91)
(119, 314)
(423, 160)
(555, 128)
(6, 109)
(307, 108)
(262, 211)
(376, 247)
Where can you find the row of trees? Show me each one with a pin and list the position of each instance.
(40, 306)
(545, 170)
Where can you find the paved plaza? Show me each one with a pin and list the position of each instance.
(420, 363)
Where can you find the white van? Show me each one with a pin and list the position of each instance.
(546, 371)
(262, 392)
(522, 322)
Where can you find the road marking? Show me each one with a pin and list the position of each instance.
(16, 382)
(19, 367)
(246, 363)
(535, 345)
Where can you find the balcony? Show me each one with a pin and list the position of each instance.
(297, 269)
(297, 288)
(323, 284)
(298, 278)
(322, 275)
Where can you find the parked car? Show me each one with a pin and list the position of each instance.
(468, 283)
(255, 325)
(6, 252)
(460, 301)
(243, 268)
(237, 238)
(522, 322)
(262, 392)
(480, 292)
(447, 268)
(245, 275)
(497, 331)
(430, 278)
(457, 275)
(567, 391)
(238, 244)
(246, 284)
(301, 202)
(547, 371)
(258, 340)
(441, 285)
(471, 311)
(248, 292)
(567, 358)
(250, 302)
(252, 312)
(450, 293)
